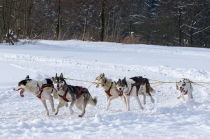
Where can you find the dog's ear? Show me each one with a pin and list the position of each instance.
(124, 78)
(119, 81)
(103, 74)
(61, 76)
(56, 75)
(191, 85)
(53, 78)
(27, 77)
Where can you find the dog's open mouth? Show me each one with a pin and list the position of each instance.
(182, 90)
(120, 92)
(21, 92)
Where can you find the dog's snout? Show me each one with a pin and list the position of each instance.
(120, 89)
(14, 89)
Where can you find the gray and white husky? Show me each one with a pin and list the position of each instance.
(42, 89)
(77, 95)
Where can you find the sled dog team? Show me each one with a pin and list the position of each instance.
(57, 88)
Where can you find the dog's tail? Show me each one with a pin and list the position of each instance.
(151, 90)
(93, 101)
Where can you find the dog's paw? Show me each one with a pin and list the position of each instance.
(71, 112)
(47, 113)
(56, 112)
(80, 115)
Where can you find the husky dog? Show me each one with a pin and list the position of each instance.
(74, 94)
(109, 89)
(42, 89)
(143, 87)
(185, 88)
(128, 89)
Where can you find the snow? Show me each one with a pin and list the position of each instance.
(167, 118)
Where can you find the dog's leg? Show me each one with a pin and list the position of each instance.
(109, 101)
(78, 104)
(61, 104)
(45, 106)
(144, 98)
(83, 108)
(52, 103)
(151, 98)
(123, 99)
(137, 99)
(190, 95)
(71, 105)
(55, 94)
(181, 96)
(128, 102)
(107, 98)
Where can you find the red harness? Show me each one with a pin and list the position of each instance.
(132, 85)
(64, 95)
(41, 89)
(108, 91)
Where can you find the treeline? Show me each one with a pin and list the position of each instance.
(160, 22)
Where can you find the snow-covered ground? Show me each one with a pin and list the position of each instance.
(167, 118)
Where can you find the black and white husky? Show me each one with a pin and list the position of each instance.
(110, 89)
(133, 87)
(77, 95)
(42, 89)
(143, 87)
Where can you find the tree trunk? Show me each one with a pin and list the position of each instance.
(102, 21)
(85, 25)
(180, 30)
(58, 26)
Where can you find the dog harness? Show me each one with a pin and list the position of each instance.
(44, 87)
(132, 85)
(77, 88)
(108, 91)
(64, 96)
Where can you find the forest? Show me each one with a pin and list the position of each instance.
(157, 22)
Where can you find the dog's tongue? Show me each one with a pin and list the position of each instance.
(182, 89)
(120, 92)
(22, 92)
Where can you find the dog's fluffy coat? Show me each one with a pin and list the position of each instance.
(185, 88)
(42, 89)
(134, 87)
(76, 95)
(110, 89)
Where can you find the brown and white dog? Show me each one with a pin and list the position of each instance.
(185, 88)
(133, 87)
(110, 89)
(42, 89)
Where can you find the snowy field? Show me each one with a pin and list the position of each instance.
(168, 118)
